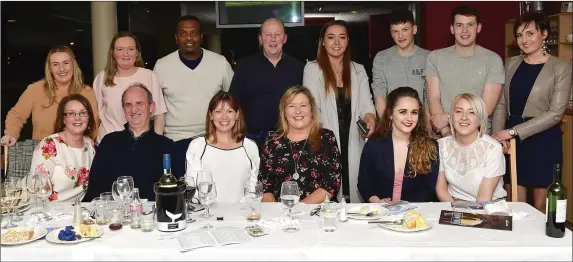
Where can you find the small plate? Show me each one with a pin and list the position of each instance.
(365, 209)
(401, 228)
(53, 237)
(39, 232)
(256, 231)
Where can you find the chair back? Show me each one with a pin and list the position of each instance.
(513, 169)
(18, 158)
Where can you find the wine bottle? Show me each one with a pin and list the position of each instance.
(556, 206)
(167, 179)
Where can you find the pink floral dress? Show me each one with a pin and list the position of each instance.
(68, 167)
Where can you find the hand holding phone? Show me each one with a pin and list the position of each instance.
(362, 127)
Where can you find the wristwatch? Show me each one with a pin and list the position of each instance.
(512, 132)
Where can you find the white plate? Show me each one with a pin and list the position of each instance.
(18, 208)
(53, 237)
(401, 228)
(357, 209)
(39, 232)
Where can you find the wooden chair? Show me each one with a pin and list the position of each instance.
(513, 169)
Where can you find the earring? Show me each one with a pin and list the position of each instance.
(544, 47)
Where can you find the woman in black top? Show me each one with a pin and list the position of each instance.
(400, 161)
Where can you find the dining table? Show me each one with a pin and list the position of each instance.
(353, 240)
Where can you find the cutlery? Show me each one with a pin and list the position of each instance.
(395, 222)
(369, 214)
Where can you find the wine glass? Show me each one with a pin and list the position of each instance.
(11, 192)
(31, 189)
(43, 189)
(125, 189)
(207, 195)
(290, 196)
(190, 190)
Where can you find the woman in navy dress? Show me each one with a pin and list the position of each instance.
(535, 96)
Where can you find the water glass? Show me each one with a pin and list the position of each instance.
(253, 197)
(290, 195)
(148, 217)
(329, 220)
(100, 206)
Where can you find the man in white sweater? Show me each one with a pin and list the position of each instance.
(189, 77)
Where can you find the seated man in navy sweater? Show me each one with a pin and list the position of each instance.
(136, 151)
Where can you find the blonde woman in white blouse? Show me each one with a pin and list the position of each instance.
(472, 163)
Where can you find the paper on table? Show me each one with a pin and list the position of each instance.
(502, 208)
(211, 238)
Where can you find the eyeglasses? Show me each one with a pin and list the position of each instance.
(74, 114)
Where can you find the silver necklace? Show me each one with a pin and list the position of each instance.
(296, 176)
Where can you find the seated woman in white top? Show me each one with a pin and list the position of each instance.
(224, 151)
(66, 156)
(472, 163)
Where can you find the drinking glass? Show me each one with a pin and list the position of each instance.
(11, 192)
(190, 190)
(204, 178)
(125, 189)
(329, 219)
(43, 189)
(253, 197)
(207, 195)
(148, 217)
(100, 205)
(290, 195)
(107, 196)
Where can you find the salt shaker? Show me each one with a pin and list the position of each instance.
(78, 217)
(342, 212)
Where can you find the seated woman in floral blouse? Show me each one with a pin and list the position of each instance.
(300, 151)
(67, 155)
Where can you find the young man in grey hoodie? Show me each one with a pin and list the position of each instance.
(402, 64)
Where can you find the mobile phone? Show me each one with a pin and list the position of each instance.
(467, 204)
(362, 127)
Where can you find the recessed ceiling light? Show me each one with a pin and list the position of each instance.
(354, 12)
(79, 30)
(11, 21)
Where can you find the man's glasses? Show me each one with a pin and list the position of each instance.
(74, 114)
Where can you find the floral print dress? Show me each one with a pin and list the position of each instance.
(320, 169)
(68, 167)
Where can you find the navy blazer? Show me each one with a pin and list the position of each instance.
(376, 175)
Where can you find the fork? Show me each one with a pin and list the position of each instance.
(395, 222)
(369, 214)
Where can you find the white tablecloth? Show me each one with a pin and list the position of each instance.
(352, 241)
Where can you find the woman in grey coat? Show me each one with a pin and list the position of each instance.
(342, 92)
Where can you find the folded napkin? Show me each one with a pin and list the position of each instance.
(68, 234)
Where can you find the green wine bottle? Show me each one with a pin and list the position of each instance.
(556, 206)
(167, 179)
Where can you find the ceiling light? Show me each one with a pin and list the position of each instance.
(72, 43)
(11, 21)
(354, 12)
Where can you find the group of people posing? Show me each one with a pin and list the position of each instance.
(275, 119)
